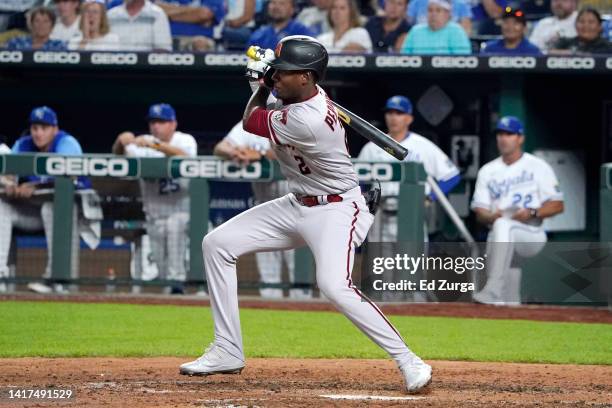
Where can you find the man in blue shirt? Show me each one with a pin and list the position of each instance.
(192, 21)
(484, 14)
(19, 205)
(282, 24)
(513, 33)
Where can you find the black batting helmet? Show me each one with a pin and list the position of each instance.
(300, 52)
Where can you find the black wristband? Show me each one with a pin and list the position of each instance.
(534, 213)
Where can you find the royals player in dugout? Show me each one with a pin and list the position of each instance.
(324, 210)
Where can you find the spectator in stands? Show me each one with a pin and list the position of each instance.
(560, 25)
(67, 24)
(282, 24)
(95, 32)
(385, 30)
(141, 26)
(607, 30)
(315, 16)
(589, 39)
(439, 36)
(192, 22)
(513, 32)
(165, 201)
(485, 13)
(41, 21)
(238, 24)
(369, 7)
(20, 207)
(460, 13)
(347, 34)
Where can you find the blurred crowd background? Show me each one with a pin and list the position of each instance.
(518, 27)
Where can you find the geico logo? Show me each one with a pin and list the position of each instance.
(216, 169)
(399, 61)
(11, 56)
(512, 62)
(371, 171)
(82, 166)
(225, 59)
(609, 63)
(171, 59)
(454, 62)
(570, 63)
(108, 58)
(52, 57)
(347, 61)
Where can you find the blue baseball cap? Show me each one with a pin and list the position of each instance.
(161, 111)
(399, 103)
(43, 114)
(510, 124)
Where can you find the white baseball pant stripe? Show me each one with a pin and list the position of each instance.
(332, 232)
(505, 238)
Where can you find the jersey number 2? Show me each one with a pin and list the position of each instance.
(301, 165)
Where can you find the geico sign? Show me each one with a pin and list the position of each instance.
(111, 58)
(347, 61)
(512, 62)
(218, 169)
(371, 171)
(171, 59)
(82, 166)
(225, 59)
(454, 62)
(609, 63)
(570, 63)
(11, 56)
(54, 57)
(402, 61)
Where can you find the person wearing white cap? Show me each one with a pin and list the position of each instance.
(95, 32)
(439, 36)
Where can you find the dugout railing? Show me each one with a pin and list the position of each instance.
(200, 171)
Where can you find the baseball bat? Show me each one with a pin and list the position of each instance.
(364, 128)
(371, 132)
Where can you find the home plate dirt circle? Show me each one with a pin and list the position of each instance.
(277, 382)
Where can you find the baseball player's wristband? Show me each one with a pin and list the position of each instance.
(534, 213)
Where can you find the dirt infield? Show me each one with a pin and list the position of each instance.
(155, 382)
(470, 310)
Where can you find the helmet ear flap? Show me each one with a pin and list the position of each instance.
(267, 78)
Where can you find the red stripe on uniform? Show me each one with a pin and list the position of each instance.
(350, 281)
(271, 127)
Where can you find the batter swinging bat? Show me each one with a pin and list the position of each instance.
(362, 127)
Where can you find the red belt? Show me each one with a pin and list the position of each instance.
(312, 201)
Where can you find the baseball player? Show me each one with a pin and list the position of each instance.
(398, 117)
(244, 148)
(165, 201)
(17, 205)
(325, 210)
(513, 194)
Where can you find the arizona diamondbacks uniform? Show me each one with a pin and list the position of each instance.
(421, 150)
(527, 183)
(268, 263)
(166, 207)
(309, 143)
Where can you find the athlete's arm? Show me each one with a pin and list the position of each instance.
(225, 150)
(255, 117)
(485, 216)
(548, 209)
(123, 140)
(167, 149)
